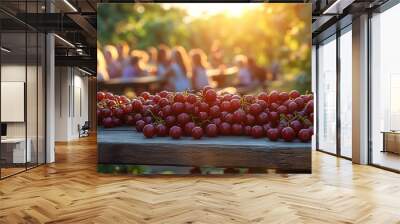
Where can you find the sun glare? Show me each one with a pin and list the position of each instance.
(201, 9)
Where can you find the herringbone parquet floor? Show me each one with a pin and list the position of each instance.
(71, 191)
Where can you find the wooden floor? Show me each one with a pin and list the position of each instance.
(386, 159)
(71, 191)
(11, 170)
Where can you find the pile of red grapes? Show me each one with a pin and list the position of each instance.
(275, 115)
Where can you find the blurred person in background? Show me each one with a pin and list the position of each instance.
(133, 69)
(137, 65)
(257, 72)
(199, 69)
(243, 73)
(179, 70)
(163, 60)
(102, 73)
(144, 58)
(114, 67)
(123, 54)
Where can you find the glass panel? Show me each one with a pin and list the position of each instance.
(22, 79)
(31, 98)
(13, 79)
(385, 85)
(327, 96)
(41, 99)
(32, 88)
(346, 94)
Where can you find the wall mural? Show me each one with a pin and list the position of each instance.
(196, 88)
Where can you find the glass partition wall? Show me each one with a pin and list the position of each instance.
(22, 77)
(13, 84)
(334, 94)
(326, 99)
(384, 87)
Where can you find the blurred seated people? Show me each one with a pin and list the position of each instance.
(114, 67)
(163, 60)
(102, 73)
(152, 62)
(199, 71)
(244, 75)
(179, 70)
(137, 65)
(123, 54)
(256, 71)
(144, 58)
(133, 69)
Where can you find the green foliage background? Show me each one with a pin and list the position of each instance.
(270, 33)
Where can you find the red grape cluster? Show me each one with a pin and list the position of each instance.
(277, 115)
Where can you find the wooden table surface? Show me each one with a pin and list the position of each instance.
(129, 136)
(126, 146)
(137, 80)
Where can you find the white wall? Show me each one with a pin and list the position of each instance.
(33, 127)
(80, 111)
(62, 81)
(14, 73)
(71, 102)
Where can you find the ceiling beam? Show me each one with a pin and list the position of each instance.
(320, 23)
(81, 61)
(84, 24)
(337, 7)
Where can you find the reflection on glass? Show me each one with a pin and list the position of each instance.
(346, 94)
(31, 97)
(22, 91)
(14, 152)
(41, 99)
(327, 96)
(385, 85)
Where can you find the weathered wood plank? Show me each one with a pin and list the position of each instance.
(126, 146)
